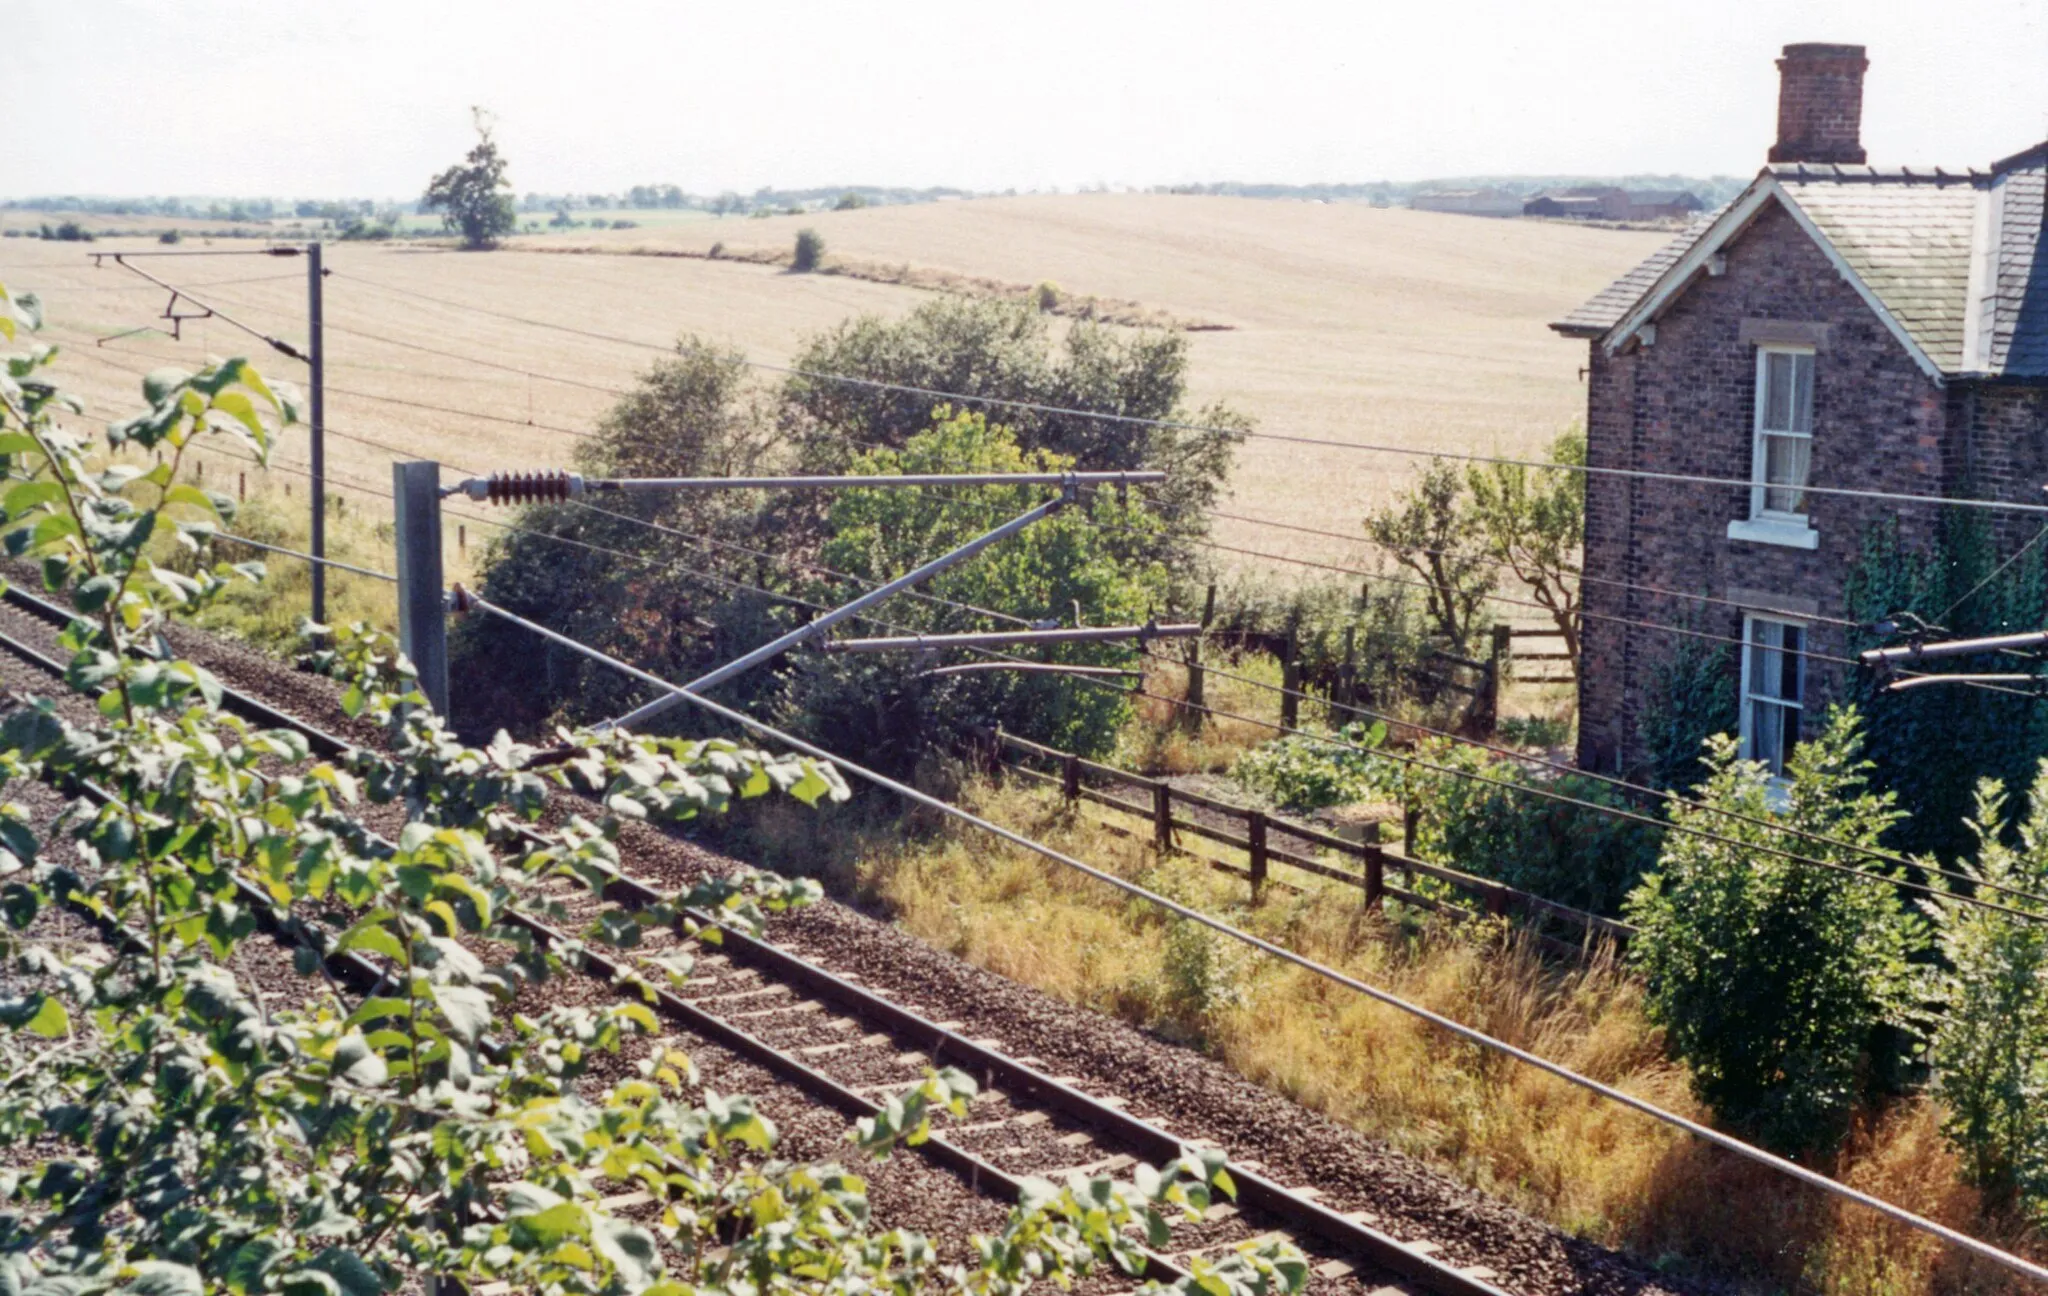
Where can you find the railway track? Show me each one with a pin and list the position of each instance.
(846, 1047)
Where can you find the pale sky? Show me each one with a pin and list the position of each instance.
(369, 97)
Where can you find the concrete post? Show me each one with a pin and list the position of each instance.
(422, 604)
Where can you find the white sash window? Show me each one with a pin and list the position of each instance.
(1784, 434)
(1773, 684)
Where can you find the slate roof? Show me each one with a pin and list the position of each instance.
(1907, 239)
(1605, 309)
(2016, 304)
(1912, 237)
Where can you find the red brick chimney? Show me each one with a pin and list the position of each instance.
(1820, 104)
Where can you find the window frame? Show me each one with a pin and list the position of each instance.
(1748, 700)
(1760, 485)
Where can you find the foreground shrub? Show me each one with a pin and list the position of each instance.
(1774, 979)
(1990, 1037)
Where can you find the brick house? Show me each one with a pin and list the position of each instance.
(1836, 325)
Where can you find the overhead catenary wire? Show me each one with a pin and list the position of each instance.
(1283, 558)
(1469, 1034)
(1594, 806)
(275, 343)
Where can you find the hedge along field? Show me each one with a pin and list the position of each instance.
(1344, 321)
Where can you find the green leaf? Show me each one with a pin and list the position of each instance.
(467, 1009)
(25, 496)
(51, 1021)
(160, 383)
(630, 1248)
(184, 493)
(351, 1276)
(353, 1061)
(161, 1278)
(376, 1007)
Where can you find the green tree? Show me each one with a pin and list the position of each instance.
(884, 706)
(1000, 350)
(1691, 698)
(1774, 980)
(1533, 521)
(1428, 531)
(649, 577)
(474, 196)
(1989, 1036)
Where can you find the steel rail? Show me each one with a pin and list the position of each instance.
(1470, 1035)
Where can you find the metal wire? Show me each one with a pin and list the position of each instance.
(1438, 1020)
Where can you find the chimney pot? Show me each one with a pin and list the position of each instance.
(1820, 104)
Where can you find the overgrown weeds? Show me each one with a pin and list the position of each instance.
(1556, 1150)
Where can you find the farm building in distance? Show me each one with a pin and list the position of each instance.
(1470, 202)
(1607, 202)
(1836, 326)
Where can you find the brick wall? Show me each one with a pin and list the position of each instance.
(1685, 404)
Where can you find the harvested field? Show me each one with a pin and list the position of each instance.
(1344, 322)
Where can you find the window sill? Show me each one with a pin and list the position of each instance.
(1792, 535)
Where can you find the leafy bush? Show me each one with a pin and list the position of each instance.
(1303, 772)
(1388, 633)
(1047, 295)
(168, 236)
(1775, 980)
(1575, 855)
(810, 250)
(1428, 531)
(1989, 1045)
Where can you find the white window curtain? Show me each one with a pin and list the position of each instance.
(1773, 680)
(1784, 432)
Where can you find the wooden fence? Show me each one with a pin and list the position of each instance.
(1516, 657)
(1257, 841)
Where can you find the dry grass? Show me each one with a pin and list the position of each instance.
(1588, 1166)
(1407, 328)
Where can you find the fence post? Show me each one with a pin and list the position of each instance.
(422, 606)
(1375, 876)
(1255, 836)
(1290, 677)
(1070, 778)
(1411, 823)
(1191, 714)
(1162, 815)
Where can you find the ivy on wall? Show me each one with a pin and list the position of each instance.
(1932, 745)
